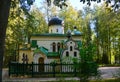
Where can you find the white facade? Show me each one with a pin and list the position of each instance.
(55, 46)
(58, 29)
(70, 52)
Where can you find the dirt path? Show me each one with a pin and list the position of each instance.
(108, 72)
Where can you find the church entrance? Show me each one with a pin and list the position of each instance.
(41, 64)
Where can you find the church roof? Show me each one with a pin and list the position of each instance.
(54, 34)
(52, 54)
(45, 51)
(76, 32)
(55, 21)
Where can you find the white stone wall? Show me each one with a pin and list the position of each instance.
(53, 38)
(48, 61)
(36, 60)
(59, 29)
(48, 44)
(71, 52)
(47, 41)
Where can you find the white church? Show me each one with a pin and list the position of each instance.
(55, 46)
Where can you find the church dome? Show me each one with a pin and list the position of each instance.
(55, 21)
(75, 31)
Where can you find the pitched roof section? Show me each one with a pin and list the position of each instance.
(45, 52)
(52, 54)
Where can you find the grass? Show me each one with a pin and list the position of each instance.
(108, 80)
(63, 80)
(109, 65)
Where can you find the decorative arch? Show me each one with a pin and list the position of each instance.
(71, 48)
(67, 54)
(38, 59)
(57, 30)
(41, 60)
(54, 47)
(58, 46)
(41, 64)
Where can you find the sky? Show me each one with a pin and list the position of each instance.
(75, 3)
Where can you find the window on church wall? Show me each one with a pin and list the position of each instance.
(56, 30)
(51, 31)
(25, 58)
(54, 47)
(61, 45)
(71, 48)
(58, 46)
(75, 54)
(67, 54)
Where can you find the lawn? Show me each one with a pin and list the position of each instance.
(108, 80)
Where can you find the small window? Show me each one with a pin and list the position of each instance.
(70, 42)
(34, 43)
(71, 48)
(51, 31)
(67, 54)
(75, 54)
(56, 30)
(58, 46)
(54, 47)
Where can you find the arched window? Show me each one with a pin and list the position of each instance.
(58, 46)
(67, 54)
(54, 47)
(26, 59)
(23, 57)
(51, 30)
(75, 54)
(71, 48)
(56, 30)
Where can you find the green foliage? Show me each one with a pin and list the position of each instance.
(20, 28)
(71, 18)
(106, 35)
(87, 67)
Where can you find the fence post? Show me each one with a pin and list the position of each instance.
(23, 69)
(9, 68)
(17, 69)
(32, 69)
(53, 69)
(75, 71)
(75, 68)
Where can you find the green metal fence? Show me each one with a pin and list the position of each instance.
(33, 70)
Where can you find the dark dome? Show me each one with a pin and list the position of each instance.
(55, 21)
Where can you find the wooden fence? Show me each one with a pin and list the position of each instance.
(33, 70)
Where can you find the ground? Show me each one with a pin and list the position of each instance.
(106, 73)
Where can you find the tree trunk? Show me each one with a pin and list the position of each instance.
(4, 13)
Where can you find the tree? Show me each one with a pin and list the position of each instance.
(5, 6)
(112, 3)
(21, 25)
(105, 24)
(4, 14)
(71, 18)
